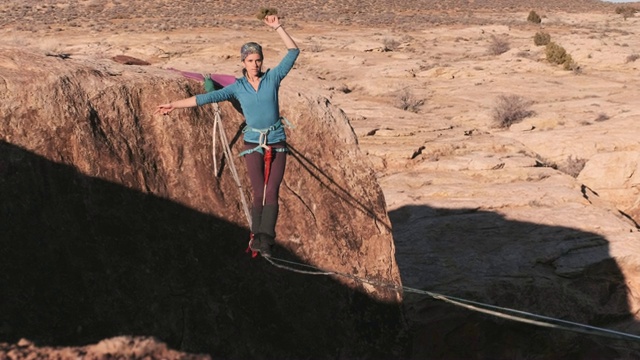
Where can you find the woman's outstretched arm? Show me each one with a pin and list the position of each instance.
(184, 103)
(223, 94)
(274, 22)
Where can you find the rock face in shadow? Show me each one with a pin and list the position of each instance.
(114, 222)
(553, 271)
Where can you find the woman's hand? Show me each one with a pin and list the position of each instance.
(164, 109)
(272, 21)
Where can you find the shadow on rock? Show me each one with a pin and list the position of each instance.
(84, 259)
(480, 256)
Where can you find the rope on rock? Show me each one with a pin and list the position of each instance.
(219, 128)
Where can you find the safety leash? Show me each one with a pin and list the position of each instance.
(227, 154)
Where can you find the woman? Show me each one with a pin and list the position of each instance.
(257, 92)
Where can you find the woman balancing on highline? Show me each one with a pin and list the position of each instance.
(257, 92)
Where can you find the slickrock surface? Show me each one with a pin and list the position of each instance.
(540, 216)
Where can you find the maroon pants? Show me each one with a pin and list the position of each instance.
(255, 168)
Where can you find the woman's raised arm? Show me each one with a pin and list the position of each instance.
(274, 22)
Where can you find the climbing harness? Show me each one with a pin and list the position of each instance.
(265, 149)
(264, 133)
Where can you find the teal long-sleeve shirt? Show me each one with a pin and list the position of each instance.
(261, 108)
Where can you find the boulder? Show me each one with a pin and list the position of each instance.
(615, 177)
(129, 60)
(115, 221)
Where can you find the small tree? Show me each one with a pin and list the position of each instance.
(626, 11)
(406, 100)
(573, 166)
(390, 44)
(541, 38)
(632, 58)
(498, 45)
(534, 17)
(602, 117)
(511, 109)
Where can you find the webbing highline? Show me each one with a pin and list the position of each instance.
(498, 311)
(217, 124)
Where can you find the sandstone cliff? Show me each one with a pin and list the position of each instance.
(114, 222)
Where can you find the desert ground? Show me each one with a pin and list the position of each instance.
(421, 84)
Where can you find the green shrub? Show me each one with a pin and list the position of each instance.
(572, 66)
(264, 12)
(534, 17)
(541, 38)
(556, 54)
